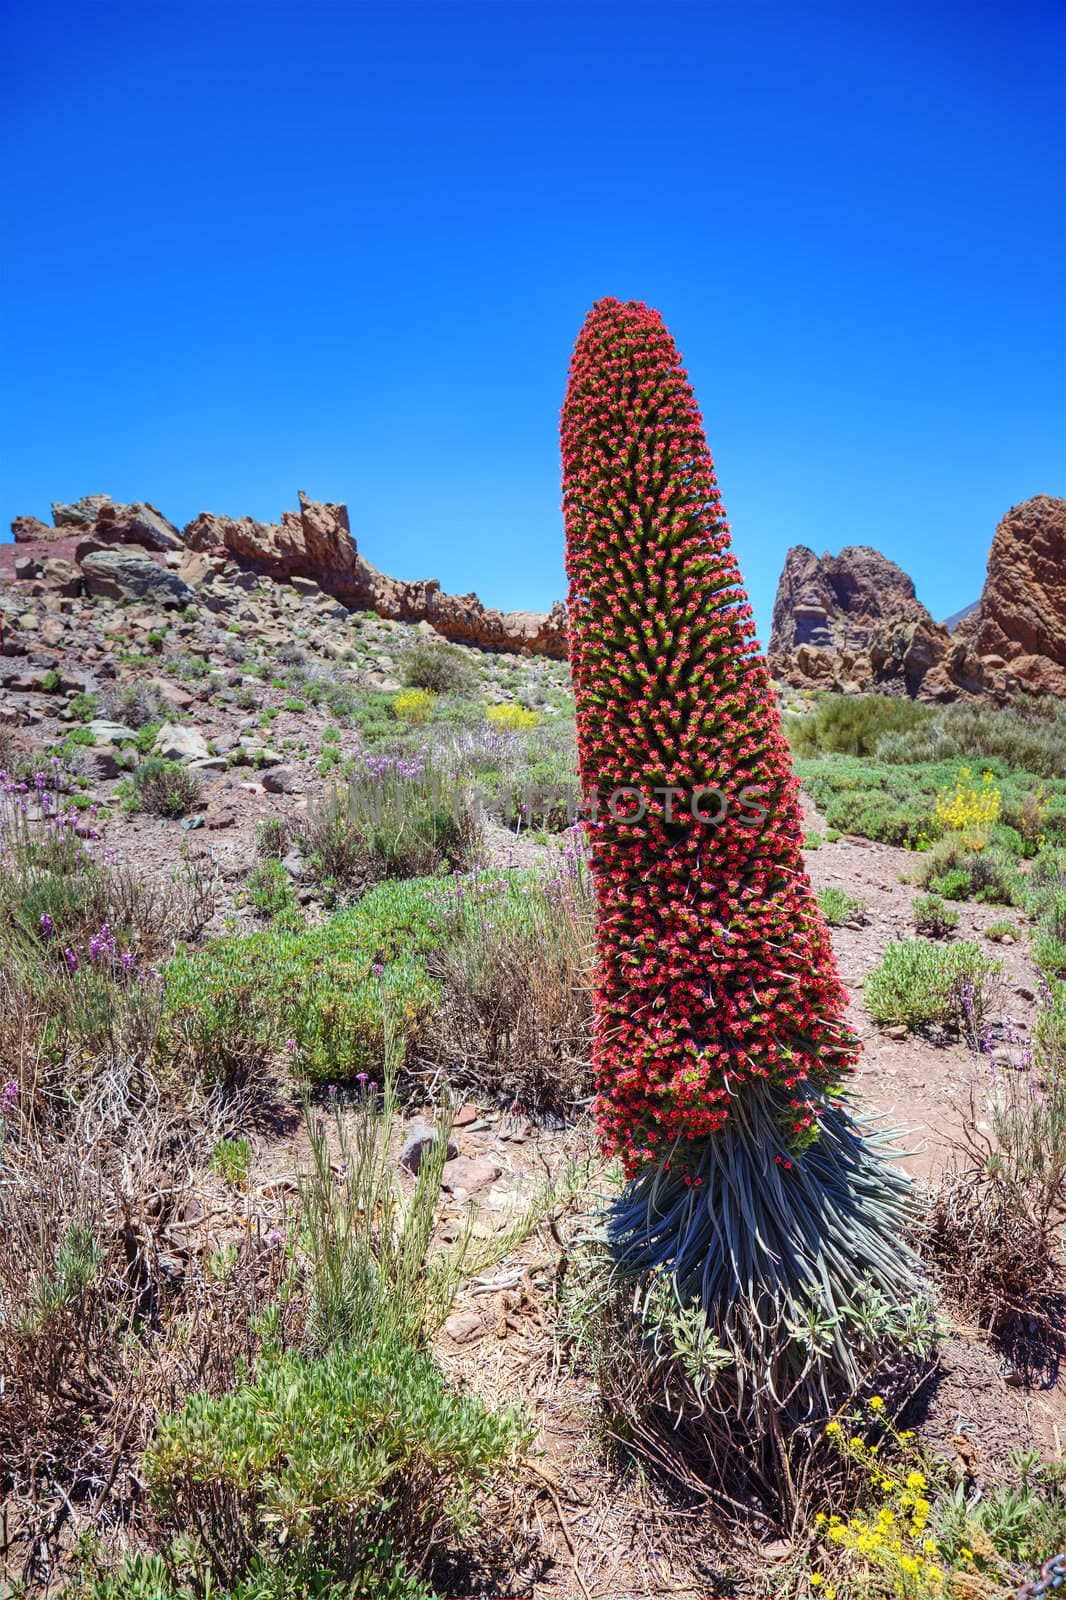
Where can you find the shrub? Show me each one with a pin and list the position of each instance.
(513, 717)
(340, 1467)
(955, 871)
(1027, 739)
(165, 787)
(917, 983)
(413, 705)
(83, 707)
(970, 808)
(230, 1159)
(270, 891)
(331, 991)
(852, 724)
(273, 838)
(721, 1041)
(395, 818)
(838, 907)
(931, 916)
(440, 668)
(812, 840)
(1003, 932)
(136, 705)
(515, 974)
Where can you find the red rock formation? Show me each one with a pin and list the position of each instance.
(1020, 624)
(316, 542)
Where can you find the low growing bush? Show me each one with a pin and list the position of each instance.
(918, 983)
(932, 917)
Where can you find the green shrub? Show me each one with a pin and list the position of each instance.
(852, 724)
(918, 983)
(956, 872)
(812, 840)
(838, 907)
(1003, 931)
(83, 707)
(163, 787)
(270, 891)
(440, 668)
(230, 1159)
(393, 819)
(331, 990)
(1030, 739)
(931, 916)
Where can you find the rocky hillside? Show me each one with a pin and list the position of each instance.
(133, 552)
(853, 623)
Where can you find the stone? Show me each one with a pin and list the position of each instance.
(1019, 624)
(281, 780)
(463, 1327)
(80, 513)
(315, 543)
(420, 1136)
(105, 732)
(27, 567)
(98, 761)
(141, 524)
(126, 574)
(180, 742)
(465, 1175)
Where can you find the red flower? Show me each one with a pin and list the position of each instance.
(715, 968)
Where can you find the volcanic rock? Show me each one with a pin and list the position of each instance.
(1019, 626)
(126, 574)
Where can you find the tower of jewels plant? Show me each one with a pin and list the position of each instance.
(722, 1051)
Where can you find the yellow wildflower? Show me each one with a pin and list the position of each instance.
(876, 1403)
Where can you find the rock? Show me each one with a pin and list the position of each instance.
(27, 567)
(465, 1116)
(180, 742)
(80, 513)
(128, 575)
(282, 780)
(462, 1327)
(465, 1175)
(1021, 616)
(897, 1031)
(316, 544)
(293, 864)
(419, 1139)
(140, 524)
(105, 732)
(27, 530)
(219, 817)
(98, 761)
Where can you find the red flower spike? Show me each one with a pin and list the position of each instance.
(715, 967)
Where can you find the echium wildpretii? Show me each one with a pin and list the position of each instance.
(721, 1045)
(716, 972)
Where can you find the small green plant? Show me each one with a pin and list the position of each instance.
(231, 1159)
(812, 840)
(273, 837)
(838, 907)
(1003, 932)
(83, 707)
(441, 668)
(163, 787)
(269, 889)
(932, 917)
(51, 681)
(918, 984)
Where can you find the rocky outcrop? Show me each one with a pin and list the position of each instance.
(1019, 626)
(313, 544)
(853, 623)
(840, 603)
(316, 542)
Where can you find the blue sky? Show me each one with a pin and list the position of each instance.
(252, 248)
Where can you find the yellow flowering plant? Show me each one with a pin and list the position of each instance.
(414, 705)
(916, 1535)
(971, 808)
(513, 718)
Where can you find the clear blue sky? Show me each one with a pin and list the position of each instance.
(346, 248)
